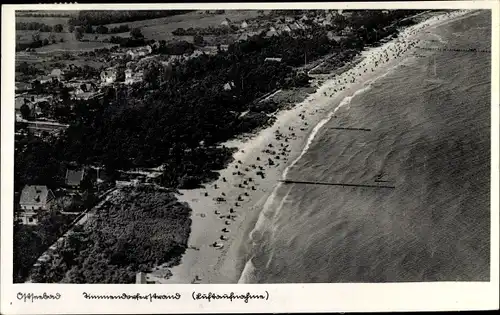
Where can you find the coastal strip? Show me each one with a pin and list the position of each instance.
(219, 230)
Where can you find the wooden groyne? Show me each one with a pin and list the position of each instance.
(456, 49)
(287, 181)
(355, 129)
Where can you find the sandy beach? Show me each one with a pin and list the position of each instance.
(226, 210)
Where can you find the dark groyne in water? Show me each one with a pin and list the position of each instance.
(286, 181)
(355, 129)
(455, 49)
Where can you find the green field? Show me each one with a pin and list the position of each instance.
(70, 43)
(47, 64)
(23, 13)
(45, 20)
(23, 36)
(157, 29)
(74, 45)
(161, 28)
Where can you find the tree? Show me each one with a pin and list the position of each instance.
(89, 29)
(120, 74)
(101, 29)
(78, 33)
(58, 28)
(36, 36)
(71, 28)
(198, 40)
(52, 38)
(25, 111)
(136, 33)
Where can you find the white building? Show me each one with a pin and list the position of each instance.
(272, 59)
(131, 77)
(108, 76)
(33, 200)
(229, 86)
(226, 22)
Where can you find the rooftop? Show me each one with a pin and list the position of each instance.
(35, 195)
(74, 177)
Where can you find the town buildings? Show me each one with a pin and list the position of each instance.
(131, 77)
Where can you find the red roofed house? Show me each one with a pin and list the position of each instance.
(34, 199)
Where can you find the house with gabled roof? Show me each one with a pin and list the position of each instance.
(34, 198)
(57, 74)
(226, 22)
(285, 28)
(229, 86)
(271, 32)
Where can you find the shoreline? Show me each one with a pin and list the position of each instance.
(229, 223)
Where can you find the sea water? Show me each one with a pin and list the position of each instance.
(429, 138)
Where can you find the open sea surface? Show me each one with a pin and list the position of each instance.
(429, 137)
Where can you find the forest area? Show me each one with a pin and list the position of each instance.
(143, 227)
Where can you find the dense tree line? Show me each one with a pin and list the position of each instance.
(101, 29)
(44, 14)
(218, 31)
(101, 17)
(36, 164)
(37, 42)
(127, 41)
(28, 69)
(144, 227)
(37, 26)
(86, 73)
